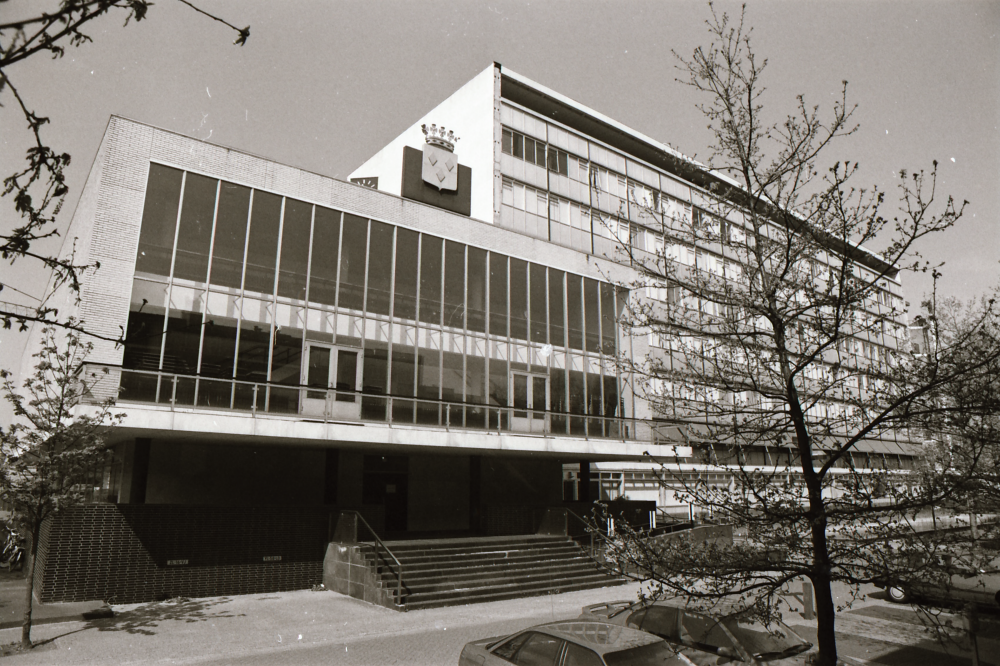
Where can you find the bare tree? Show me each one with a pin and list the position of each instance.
(39, 190)
(963, 450)
(48, 458)
(774, 348)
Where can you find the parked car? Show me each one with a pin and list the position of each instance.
(580, 642)
(705, 639)
(965, 583)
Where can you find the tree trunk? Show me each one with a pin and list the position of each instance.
(29, 587)
(826, 636)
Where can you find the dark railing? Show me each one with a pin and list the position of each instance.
(591, 529)
(379, 544)
(339, 404)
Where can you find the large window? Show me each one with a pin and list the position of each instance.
(430, 280)
(380, 269)
(262, 242)
(524, 147)
(325, 255)
(195, 234)
(230, 235)
(352, 263)
(454, 285)
(405, 288)
(498, 294)
(295, 232)
(518, 299)
(432, 319)
(159, 220)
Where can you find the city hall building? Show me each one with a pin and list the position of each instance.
(431, 344)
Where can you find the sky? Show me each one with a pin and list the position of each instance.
(323, 85)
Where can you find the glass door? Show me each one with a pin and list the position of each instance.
(332, 377)
(529, 398)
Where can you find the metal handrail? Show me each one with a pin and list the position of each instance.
(378, 542)
(625, 428)
(591, 529)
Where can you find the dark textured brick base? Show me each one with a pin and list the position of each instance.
(508, 520)
(134, 553)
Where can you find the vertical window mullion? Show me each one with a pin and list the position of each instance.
(274, 290)
(170, 278)
(364, 288)
(243, 275)
(340, 253)
(486, 330)
(440, 328)
(208, 282)
(392, 298)
(416, 321)
(305, 324)
(465, 325)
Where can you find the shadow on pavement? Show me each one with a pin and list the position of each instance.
(147, 617)
(915, 656)
(894, 655)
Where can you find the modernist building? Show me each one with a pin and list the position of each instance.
(431, 344)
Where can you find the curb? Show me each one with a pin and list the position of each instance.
(102, 613)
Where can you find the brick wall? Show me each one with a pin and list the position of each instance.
(135, 553)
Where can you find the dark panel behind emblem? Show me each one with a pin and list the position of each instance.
(415, 188)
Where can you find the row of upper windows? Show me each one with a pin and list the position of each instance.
(535, 152)
(682, 396)
(640, 191)
(538, 202)
(237, 237)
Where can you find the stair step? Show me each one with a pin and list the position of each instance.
(508, 569)
(492, 572)
(418, 604)
(460, 559)
(444, 585)
(443, 572)
(479, 588)
(473, 541)
(403, 549)
(466, 562)
(512, 568)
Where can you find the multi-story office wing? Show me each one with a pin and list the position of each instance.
(432, 345)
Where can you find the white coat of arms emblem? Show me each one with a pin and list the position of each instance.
(440, 164)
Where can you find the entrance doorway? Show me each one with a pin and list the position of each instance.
(386, 484)
(332, 375)
(529, 396)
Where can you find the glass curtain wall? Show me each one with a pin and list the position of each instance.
(234, 283)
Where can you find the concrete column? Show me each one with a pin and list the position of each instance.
(135, 471)
(350, 476)
(331, 478)
(475, 493)
(583, 482)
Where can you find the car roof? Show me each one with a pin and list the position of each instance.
(599, 636)
(720, 610)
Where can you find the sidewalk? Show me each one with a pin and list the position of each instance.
(195, 630)
(12, 591)
(284, 627)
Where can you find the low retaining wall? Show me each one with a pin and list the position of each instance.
(130, 553)
(703, 534)
(346, 571)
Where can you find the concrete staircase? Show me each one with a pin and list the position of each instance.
(451, 572)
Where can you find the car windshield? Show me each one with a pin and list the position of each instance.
(645, 655)
(762, 642)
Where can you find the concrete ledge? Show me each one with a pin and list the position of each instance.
(146, 420)
(347, 571)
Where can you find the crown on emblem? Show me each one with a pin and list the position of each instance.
(439, 136)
